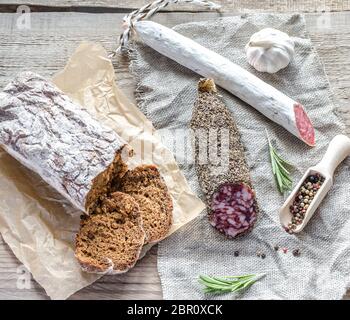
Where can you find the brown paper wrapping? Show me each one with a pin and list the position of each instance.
(36, 222)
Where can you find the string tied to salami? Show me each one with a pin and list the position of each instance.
(262, 96)
(148, 11)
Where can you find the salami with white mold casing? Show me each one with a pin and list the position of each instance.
(263, 97)
(220, 163)
(47, 132)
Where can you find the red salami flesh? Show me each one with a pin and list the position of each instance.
(304, 125)
(220, 163)
(233, 209)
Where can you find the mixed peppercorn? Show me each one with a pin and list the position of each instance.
(262, 255)
(303, 199)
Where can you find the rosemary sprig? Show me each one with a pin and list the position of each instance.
(279, 169)
(219, 285)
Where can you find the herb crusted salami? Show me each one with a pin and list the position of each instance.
(220, 164)
(48, 133)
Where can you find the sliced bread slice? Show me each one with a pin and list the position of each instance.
(149, 190)
(111, 241)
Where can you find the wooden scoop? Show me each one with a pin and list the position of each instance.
(338, 150)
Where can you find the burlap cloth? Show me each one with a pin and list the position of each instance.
(166, 92)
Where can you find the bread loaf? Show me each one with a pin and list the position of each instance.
(85, 161)
(46, 131)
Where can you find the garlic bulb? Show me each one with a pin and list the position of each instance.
(269, 50)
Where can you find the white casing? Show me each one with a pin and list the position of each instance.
(263, 97)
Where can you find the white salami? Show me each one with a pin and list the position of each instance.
(263, 97)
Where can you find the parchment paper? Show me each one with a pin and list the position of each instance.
(36, 222)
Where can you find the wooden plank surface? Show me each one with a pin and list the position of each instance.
(47, 51)
(227, 5)
(142, 282)
(45, 48)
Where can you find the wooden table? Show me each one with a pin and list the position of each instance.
(57, 29)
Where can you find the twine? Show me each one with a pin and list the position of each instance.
(146, 12)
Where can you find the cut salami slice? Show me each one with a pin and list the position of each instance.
(220, 163)
(233, 209)
(304, 125)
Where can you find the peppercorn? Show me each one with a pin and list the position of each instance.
(296, 252)
(303, 200)
(276, 248)
(263, 255)
(236, 253)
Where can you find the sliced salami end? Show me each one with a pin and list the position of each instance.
(304, 125)
(233, 209)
